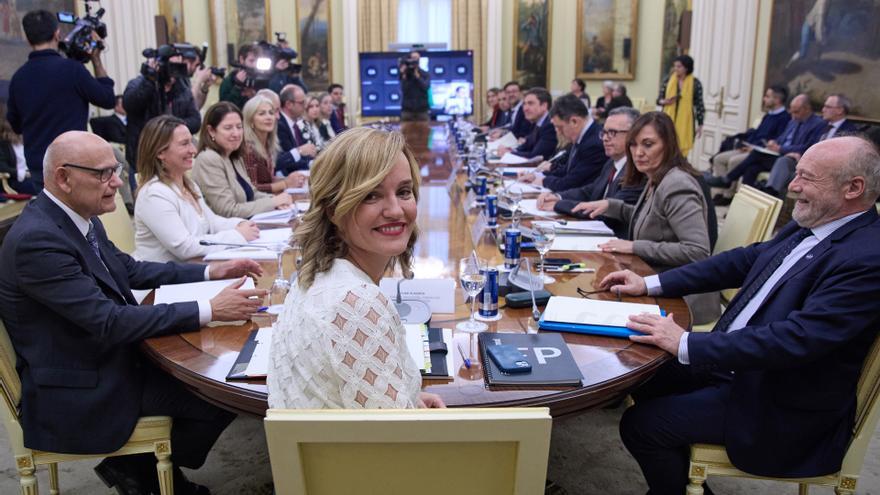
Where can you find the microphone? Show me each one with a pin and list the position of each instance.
(212, 243)
(513, 279)
(411, 311)
(556, 156)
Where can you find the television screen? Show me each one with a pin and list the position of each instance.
(452, 82)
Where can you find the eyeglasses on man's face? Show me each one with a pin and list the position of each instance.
(104, 174)
(611, 133)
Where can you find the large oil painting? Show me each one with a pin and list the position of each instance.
(313, 21)
(172, 11)
(13, 44)
(820, 47)
(606, 39)
(531, 42)
(676, 34)
(247, 21)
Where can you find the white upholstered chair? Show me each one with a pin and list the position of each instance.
(424, 451)
(119, 227)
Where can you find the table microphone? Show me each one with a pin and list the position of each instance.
(412, 310)
(212, 243)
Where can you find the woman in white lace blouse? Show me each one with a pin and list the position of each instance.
(339, 342)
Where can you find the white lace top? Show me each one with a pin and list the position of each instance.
(340, 345)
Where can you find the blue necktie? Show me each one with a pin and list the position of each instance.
(93, 241)
(792, 135)
(747, 293)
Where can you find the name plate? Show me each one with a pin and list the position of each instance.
(437, 293)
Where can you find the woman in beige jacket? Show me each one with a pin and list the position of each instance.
(668, 224)
(219, 170)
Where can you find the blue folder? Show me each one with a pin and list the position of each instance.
(604, 330)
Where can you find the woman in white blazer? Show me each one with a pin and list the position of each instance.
(170, 214)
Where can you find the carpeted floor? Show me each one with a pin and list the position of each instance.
(586, 457)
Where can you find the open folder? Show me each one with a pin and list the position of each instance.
(589, 316)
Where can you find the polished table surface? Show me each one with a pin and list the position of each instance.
(610, 366)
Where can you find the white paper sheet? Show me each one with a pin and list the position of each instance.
(508, 140)
(578, 310)
(594, 227)
(512, 159)
(418, 346)
(579, 243)
(530, 207)
(274, 216)
(273, 236)
(415, 346)
(297, 190)
(174, 293)
(522, 187)
(251, 253)
(258, 366)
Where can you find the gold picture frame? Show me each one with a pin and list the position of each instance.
(607, 18)
(253, 26)
(314, 24)
(531, 42)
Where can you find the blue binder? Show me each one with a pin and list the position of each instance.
(604, 330)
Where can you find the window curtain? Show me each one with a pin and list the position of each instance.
(469, 20)
(377, 24)
(424, 21)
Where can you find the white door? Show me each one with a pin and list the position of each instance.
(723, 36)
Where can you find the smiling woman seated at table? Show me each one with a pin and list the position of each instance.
(170, 215)
(668, 225)
(339, 342)
(219, 167)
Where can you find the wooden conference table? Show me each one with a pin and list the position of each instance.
(610, 366)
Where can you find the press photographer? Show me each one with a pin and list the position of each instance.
(201, 77)
(50, 95)
(160, 89)
(286, 70)
(235, 88)
(414, 84)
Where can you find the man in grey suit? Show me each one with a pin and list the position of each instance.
(607, 184)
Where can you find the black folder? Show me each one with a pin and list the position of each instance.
(553, 371)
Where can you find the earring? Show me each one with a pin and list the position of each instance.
(212, 137)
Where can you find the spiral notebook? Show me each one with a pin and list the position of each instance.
(552, 362)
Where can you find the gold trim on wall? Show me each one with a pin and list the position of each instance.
(634, 23)
(547, 54)
(212, 18)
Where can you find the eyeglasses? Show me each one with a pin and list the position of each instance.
(611, 133)
(587, 293)
(104, 174)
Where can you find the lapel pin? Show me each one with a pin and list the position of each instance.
(809, 256)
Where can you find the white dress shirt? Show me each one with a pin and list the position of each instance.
(742, 319)
(83, 226)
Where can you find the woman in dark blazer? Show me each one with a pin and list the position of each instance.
(668, 225)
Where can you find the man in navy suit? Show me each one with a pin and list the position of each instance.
(516, 123)
(608, 183)
(775, 380)
(66, 301)
(585, 156)
(801, 132)
(296, 151)
(337, 117)
(834, 113)
(541, 141)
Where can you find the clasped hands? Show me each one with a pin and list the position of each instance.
(661, 331)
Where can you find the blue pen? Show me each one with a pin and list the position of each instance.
(262, 309)
(467, 362)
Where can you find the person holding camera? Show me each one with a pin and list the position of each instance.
(159, 90)
(234, 88)
(414, 84)
(201, 77)
(50, 95)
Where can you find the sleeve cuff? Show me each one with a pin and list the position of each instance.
(205, 312)
(208, 272)
(683, 349)
(295, 154)
(652, 282)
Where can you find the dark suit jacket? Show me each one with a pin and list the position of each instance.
(589, 156)
(540, 142)
(798, 361)
(110, 128)
(519, 126)
(288, 141)
(76, 328)
(847, 127)
(336, 122)
(804, 137)
(595, 191)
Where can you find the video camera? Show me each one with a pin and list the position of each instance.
(258, 77)
(166, 69)
(409, 65)
(216, 71)
(79, 44)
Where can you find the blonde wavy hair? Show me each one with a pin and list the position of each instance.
(348, 169)
(264, 150)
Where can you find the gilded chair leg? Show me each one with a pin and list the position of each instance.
(697, 477)
(164, 467)
(803, 489)
(53, 479)
(25, 465)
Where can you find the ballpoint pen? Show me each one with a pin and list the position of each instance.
(467, 362)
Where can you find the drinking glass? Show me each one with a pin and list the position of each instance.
(514, 196)
(543, 234)
(472, 281)
(280, 287)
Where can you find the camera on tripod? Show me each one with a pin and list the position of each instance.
(164, 68)
(79, 43)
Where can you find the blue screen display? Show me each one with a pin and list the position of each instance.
(452, 82)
